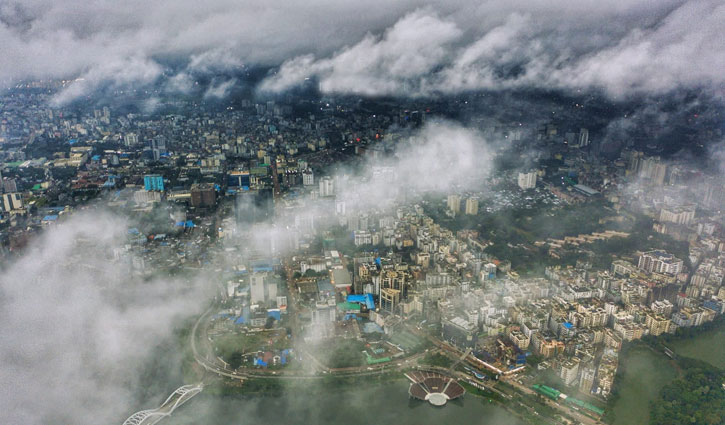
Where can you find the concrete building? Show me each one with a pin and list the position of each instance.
(679, 215)
(454, 203)
(308, 178)
(202, 195)
(527, 180)
(153, 182)
(460, 332)
(472, 206)
(569, 371)
(12, 202)
(657, 324)
(660, 262)
(327, 187)
(262, 288)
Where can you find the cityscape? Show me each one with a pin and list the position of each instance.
(452, 213)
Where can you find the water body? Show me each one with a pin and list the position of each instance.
(707, 347)
(646, 372)
(379, 404)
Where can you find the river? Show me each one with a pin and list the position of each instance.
(378, 403)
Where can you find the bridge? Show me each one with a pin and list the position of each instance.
(176, 399)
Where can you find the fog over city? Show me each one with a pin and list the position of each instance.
(308, 211)
(80, 328)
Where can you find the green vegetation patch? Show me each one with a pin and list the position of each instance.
(697, 398)
(338, 353)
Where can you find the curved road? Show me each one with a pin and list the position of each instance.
(216, 368)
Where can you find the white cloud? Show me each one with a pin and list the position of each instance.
(410, 47)
(78, 327)
(527, 50)
(220, 90)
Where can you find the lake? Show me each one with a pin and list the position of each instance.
(378, 403)
(708, 347)
(647, 372)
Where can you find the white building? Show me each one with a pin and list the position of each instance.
(262, 288)
(130, 139)
(527, 180)
(308, 178)
(327, 187)
(660, 262)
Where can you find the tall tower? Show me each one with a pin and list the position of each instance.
(454, 203)
(472, 206)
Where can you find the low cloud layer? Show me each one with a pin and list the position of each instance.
(407, 48)
(78, 328)
(425, 53)
(441, 157)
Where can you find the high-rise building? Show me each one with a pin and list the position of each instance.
(679, 215)
(569, 371)
(153, 182)
(239, 179)
(130, 139)
(586, 381)
(203, 195)
(472, 206)
(12, 201)
(454, 203)
(308, 178)
(527, 180)
(653, 169)
(155, 148)
(262, 288)
(327, 187)
(660, 262)
(583, 137)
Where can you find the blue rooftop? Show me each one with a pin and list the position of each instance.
(366, 299)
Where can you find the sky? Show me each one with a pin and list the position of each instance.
(621, 48)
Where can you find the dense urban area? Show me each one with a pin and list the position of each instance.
(525, 278)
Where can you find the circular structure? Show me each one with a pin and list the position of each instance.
(437, 399)
(433, 387)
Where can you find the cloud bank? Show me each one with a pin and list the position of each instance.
(425, 54)
(411, 47)
(78, 329)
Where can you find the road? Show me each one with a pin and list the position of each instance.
(212, 365)
(563, 409)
